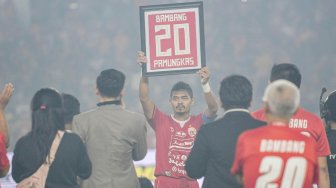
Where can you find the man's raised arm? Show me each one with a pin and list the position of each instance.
(147, 104)
(212, 105)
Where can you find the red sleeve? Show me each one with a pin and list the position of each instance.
(323, 148)
(316, 130)
(4, 162)
(237, 164)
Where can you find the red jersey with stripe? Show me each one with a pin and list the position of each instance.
(275, 156)
(307, 123)
(173, 143)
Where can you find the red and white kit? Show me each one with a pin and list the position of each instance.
(174, 140)
(275, 156)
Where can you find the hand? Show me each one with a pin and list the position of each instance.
(6, 95)
(142, 59)
(204, 74)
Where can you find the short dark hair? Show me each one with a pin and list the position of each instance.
(110, 82)
(235, 92)
(286, 71)
(179, 86)
(71, 107)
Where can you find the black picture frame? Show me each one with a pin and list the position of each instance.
(188, 16)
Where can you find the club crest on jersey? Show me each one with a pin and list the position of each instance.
(192, 131)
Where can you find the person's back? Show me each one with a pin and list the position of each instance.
(276, 155)
(221, 143)
(113, 136)
(307, 123)
(303, 121)
(213, 152)
(71, 159)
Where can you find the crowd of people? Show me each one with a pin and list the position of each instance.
(282, 144)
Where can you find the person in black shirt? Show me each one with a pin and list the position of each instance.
(71, 159)
(213, 152)
(328, 113)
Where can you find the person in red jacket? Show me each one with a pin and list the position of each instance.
(303, 120)
(4, 138)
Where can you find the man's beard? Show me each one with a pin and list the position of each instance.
(179, 108)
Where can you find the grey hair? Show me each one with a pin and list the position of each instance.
(282, 97)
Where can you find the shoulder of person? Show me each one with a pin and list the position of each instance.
(136, 116)
(24, 139)
(258, 112)
(210, 127)
(71, 136)
(259, 122)
(304, 112)
(254, 132)
(213, 123)
(86, 114)
(23, 143)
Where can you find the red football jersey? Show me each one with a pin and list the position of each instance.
(307, 123)
(173, 143)
(275, 156)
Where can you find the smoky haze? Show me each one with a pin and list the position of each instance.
(65, 44)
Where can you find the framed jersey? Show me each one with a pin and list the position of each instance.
(172, 37)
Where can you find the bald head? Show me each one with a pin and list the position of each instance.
(282, 98)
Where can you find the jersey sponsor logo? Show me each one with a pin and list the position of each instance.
(178, 150)
(282, 146)
(176, 162)
(181, 134)
(298, 123)
(179, 170)
(181, 144)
